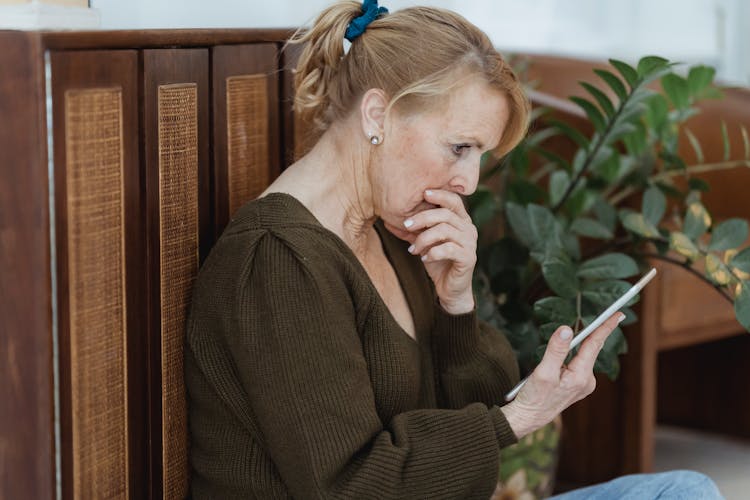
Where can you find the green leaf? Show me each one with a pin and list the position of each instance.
(607, 361)
(591, 229)
(741, 261)
(729, 234)
(670, 190)
(600, 97)
(616, 343)
(606, 214)
(572, 133)
(558, 184)
(572, 246)
(628, 72)
(608, 365)
(696, 145)
(654, 205)
(518, 219)
(677, 89)
(699, 78)
(592, 112)
(638, 224)
(560, 275)
(647, 65)
(540, 136)
(604, 293)
(742, 306)
(683, 245)
(672, 161)
(725, 140)
(697, 220)
(507, 253)
(619, 131)
(546, 232)
(580, 201)
(608, 266)
(525, 192)
(717, 271)
(614, 83)
(697, 184)
(657, 113)
(555, 310)
(632, 112)
(553, 158)
(482, 206)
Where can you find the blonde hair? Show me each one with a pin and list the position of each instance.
(413, 55)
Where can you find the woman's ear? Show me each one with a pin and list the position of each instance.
(372, 113)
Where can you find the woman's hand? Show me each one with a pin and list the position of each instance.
(552, 386)
(446, 239)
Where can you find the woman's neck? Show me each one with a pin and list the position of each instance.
(334, 182)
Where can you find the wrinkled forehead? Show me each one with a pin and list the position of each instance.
(473, 109)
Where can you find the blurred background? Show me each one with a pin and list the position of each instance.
(714, 32)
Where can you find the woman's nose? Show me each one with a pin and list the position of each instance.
(465, 182)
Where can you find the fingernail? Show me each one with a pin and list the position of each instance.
(408, 223)
(428, 192)
(621, 318)
(424, 257)
(566, 333)
(411, 249)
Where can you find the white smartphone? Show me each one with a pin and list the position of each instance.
(616, 305)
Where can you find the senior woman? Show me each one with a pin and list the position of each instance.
(333, 349)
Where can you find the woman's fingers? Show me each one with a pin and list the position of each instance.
(429, 218)
(447, 199)
(554, 356)
(401, 233)
(441, 233)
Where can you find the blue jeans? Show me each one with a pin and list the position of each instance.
(675, 485)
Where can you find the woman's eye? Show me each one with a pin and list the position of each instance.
(458, 149)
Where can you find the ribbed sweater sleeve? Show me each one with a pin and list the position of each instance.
(474, 362)
(299, 358)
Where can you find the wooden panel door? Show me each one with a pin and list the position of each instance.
(100, 269)
(27, 458)
(175, 114)
(246, 131)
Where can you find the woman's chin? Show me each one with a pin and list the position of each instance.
(399, 233)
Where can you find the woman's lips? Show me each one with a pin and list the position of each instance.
(422, 207)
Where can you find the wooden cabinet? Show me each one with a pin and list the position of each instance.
(124, 155)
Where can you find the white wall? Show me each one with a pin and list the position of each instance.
(715, 32)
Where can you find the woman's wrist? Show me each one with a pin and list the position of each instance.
(518, 420)
(462, 305)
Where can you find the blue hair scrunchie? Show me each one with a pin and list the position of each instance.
(370, 12)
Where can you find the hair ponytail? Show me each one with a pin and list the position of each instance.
(319, 62)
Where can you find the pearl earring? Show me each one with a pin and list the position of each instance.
(374, 139)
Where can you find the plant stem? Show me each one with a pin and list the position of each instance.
(688, 268)
(592, 154)
(693, 169)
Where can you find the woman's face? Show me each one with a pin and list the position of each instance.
(437, 149)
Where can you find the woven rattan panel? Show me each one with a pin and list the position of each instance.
(178, 236)
(247, 138)
(96, 273)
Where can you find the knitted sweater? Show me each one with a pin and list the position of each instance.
(302, 384)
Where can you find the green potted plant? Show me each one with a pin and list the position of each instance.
(560, 234)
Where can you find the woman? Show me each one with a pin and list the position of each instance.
(333, 347)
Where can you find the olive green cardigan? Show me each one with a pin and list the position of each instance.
(302, 384)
